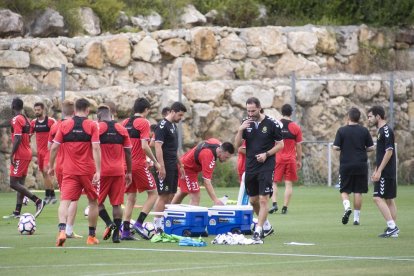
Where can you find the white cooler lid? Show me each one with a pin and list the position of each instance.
(185, 208)
(231, 207)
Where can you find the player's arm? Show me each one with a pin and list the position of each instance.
(16, 143)
(299, 155)
(128, 161)
(53, 152)
(96, 152)
(242, 150)
(239, 135)
(160, 158)
(148, 152)
(387, 156)
(211, 192)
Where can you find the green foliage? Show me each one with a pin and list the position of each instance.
(107, 11)
(225, 175)
(25, 7)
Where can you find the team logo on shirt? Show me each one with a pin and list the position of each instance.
(386, 132)
(379, 136)
(172, 130)
(162, 124)
(264, 129)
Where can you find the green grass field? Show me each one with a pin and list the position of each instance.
(314, 217)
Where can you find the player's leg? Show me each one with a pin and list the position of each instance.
(72, 209)
(63, 215)
(277, 177)
(290, 174)
(178, 197)
(131, 192)
(357, 207)
(92, 195)
(393, 208)
(380, 195)
(360, 187)
(104, 189)
(117, 215)
(345, 183)
(287, 196)
(274, 207)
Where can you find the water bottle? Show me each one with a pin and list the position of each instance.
(224, 199)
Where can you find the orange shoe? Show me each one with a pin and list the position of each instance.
(92, 240)
(61, 238)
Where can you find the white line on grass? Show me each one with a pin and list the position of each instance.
(237, 253)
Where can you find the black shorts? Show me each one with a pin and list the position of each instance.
(353, 183)
(170, 183)
(259, 183)
(385, 188)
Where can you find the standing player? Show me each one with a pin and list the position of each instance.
(202, 158)
(115, 149)
(41, 126)
(166, 147)
(82, 153)
(142, 180)
(289, 159)
(68, 109)
(385, 187)
(354, 141)
(263, 136)
(20, 159)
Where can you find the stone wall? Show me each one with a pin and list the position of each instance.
(221, 67)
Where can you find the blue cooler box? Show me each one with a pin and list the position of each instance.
(230, 218)
(186, 220)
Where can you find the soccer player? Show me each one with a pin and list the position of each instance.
(164, 112)
(41, 127)
(202, 158)
(263, 136)
(353, 141)
(385, 187)
(166, 147)
(82, 153)
(115, 149)
(142, 180)
(68, 109)
(288, 160)
(20, 159)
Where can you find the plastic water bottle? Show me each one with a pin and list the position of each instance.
(224, 199)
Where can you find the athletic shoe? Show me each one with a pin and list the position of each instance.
(46, 200)
(138, 229)
(13, 215)
(92, 240)
(256, 236)
(345, 217)
(268, 232)
(73, 236)
(108, 231)
(389, 232)
(52, 200)
(39, 207)
(284, 210)
(126, 236)
(356, 222)
(273, 209)
(61, 238)
(115, 236)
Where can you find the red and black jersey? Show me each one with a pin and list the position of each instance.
(20, 126)
(138, 129)
(292, 134)
(42, 129)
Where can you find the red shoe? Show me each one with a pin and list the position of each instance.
(92, 240)
(61, 238)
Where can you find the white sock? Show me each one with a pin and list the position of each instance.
(69, 229)
(267, 225)
(346, 204)
(356, 215)
(258, 229)
(391, 224)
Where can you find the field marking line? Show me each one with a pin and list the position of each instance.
(236, 253)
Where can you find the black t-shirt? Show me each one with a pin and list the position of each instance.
(385, 141)
(261, 137)
(353, 140)
(166, 132)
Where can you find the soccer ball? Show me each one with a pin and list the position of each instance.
(86, 212)
(27, 224)
(254, 223)
(149, 229)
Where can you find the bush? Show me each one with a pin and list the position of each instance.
(225, 175)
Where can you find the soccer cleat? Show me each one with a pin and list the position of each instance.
(13, 215)
(92, 240)
(73, 236)
(47, 200)
(389, 232)
(284, 210)
(52, 200)
(268, 232)
(115, 236)
(39, 207)
(61, 238)
(356, 222)
(127, 236)
(257, 236)
(108, 232)
(345, 217)
(138, 229)
(273, 209)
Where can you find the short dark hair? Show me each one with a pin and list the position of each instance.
(42, 106)
(354, 114)
(67, 107)
(227, 146)
(165, 111)
(377, 110)
(141, 104)
(103, 111)
(287, 110)
(82, 104)
(253, 100)
(17, 104)
(177, 107)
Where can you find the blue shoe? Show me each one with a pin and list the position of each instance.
(126, 236)
(138, 229)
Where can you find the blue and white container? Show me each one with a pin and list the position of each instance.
(186, 220)
(230, 218)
